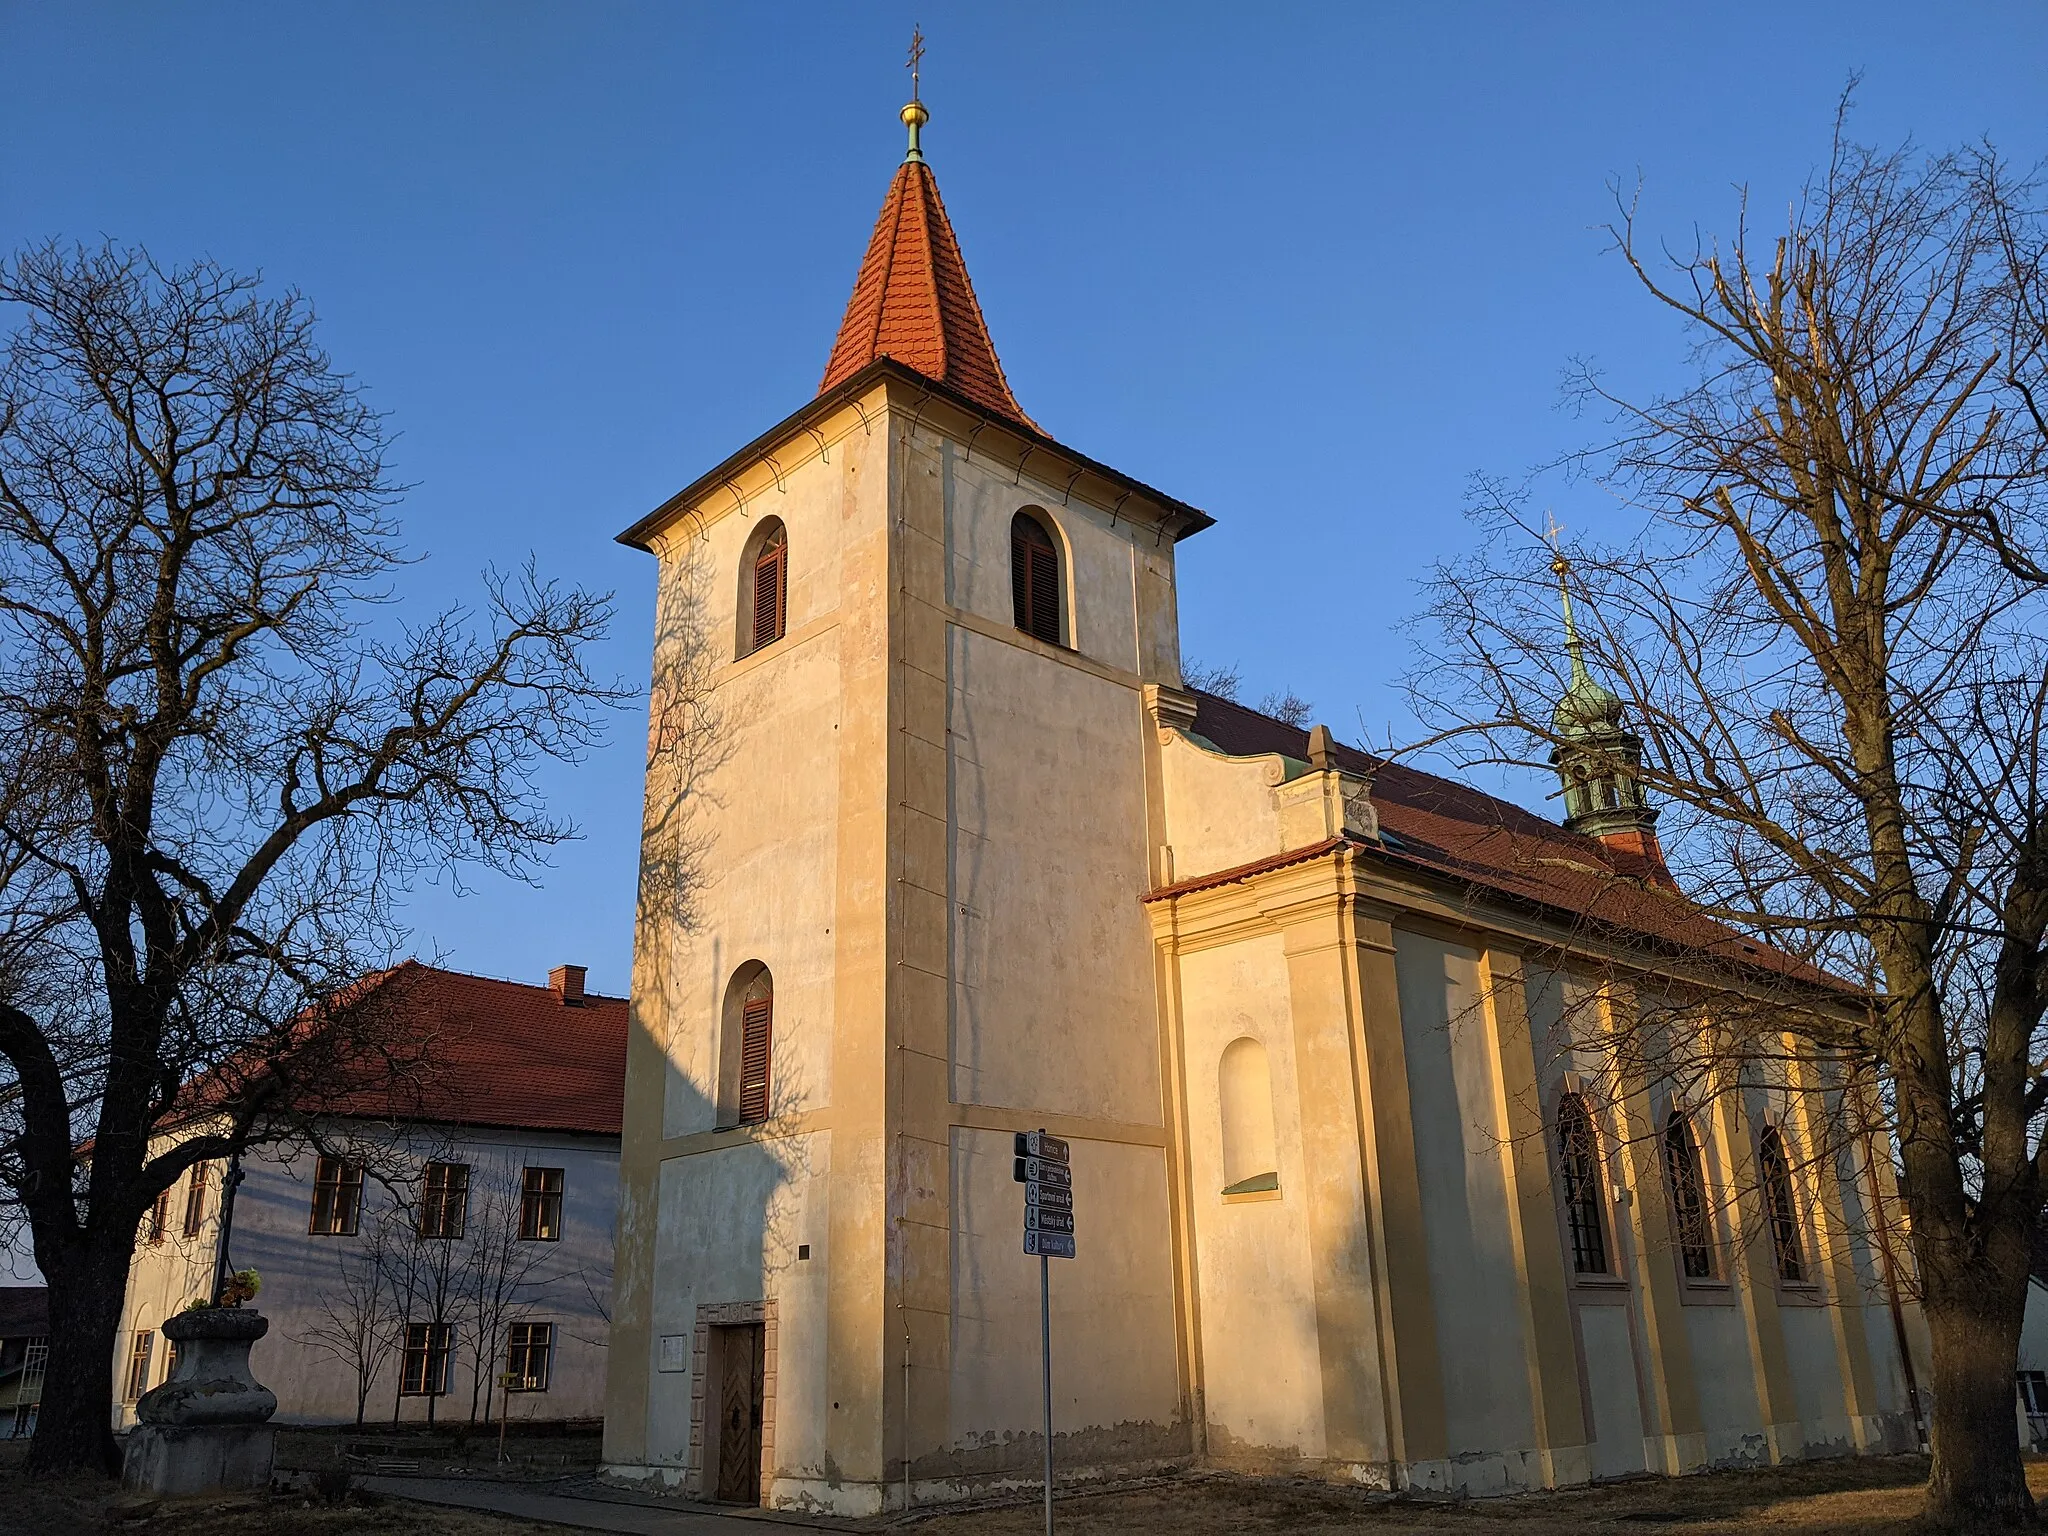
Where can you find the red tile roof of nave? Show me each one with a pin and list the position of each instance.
(913, 302)
(502, 1053)
(1466, 834)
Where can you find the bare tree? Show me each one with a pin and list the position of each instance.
(1830, 635)
(506, 1269)
(216, 773)
(357, 1317)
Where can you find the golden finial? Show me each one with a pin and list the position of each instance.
(913, 114)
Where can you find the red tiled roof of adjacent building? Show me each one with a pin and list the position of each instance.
(1454, 830)
(479, 1051)
(913, 302)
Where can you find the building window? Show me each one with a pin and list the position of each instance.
(540, 1205)
(1779, 1209)
(1244, 1091)
(1035, 579)
(428, 1363)
(764, 587)
(1578, 1155)
(195, 1199)
(138, 1365)
(156, 1226)
(1688, 1199)
(170, 1357)
(444, 1200)
(746, 1048)
(528, 1353)
(337, 1197)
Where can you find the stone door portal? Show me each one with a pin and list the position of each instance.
(738, 1374)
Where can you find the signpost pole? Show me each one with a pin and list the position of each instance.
(1045, 1342)
(1043, 1168)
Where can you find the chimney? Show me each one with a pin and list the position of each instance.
(566, 982)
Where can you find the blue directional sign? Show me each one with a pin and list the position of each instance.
(1041, 1166)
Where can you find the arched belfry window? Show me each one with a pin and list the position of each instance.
(745, 1055)
(1035, 579)
(1775, 1173)
(1688, 1198)
(764, 587)
(1245, 1086)
(1578, 1156)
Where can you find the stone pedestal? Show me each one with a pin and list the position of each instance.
(206, 1428)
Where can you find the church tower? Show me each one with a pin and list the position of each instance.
(1600, 760)
(901, 814)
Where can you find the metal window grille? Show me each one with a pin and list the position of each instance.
(529, 1352)
(1780, 1208)
(1035, 579)
(1688, 1199)
(540, 1205)
(428, 1362)
(1580, 1160)
(444, 1200)
(337, 1197)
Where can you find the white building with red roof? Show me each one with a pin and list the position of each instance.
(437, 1249)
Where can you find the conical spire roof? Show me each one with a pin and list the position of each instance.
(913, 302)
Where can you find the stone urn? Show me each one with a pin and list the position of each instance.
(207, 1427)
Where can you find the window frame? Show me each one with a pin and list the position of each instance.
(540, 1208)
(1692, 1224)
(523, 1351)
(157, 1224)
(766, 548)
(1026, 578)
(196, 1181)
(343, 1198)
(1781, 1213)
(435, 1345)
(141, 1350)
(440, 1190)
(755, 1096)
(1582, 1188)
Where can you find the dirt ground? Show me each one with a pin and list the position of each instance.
(93, 1507)
(1835, 1498)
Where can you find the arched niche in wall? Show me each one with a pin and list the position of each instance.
(1251, 1166)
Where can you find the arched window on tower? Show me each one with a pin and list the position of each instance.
(1245, 1087)
(764, 587)
(1688, 1199)
(1776, 1176)
(1578, 1155)
(1035, 579)
(745, 1053)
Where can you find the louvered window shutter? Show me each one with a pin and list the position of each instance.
(769, 588)
(756, 1026)
(1034, 580)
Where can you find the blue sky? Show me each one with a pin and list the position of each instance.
(1307, 268)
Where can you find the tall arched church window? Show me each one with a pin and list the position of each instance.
(1035, 579)
(1245, 1087)
(764, 587)
(1782, 1214)
(746, 1050)
(1578, 1155)
(1688, 1199)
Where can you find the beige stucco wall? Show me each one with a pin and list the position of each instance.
(1261, 1362)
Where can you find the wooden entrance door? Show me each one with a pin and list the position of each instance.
(738, 1379)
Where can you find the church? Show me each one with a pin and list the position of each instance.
(938, 847)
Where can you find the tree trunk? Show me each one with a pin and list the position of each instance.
(1978, 1481)
(74, 1425)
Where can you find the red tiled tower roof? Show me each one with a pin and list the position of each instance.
(913, 302)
